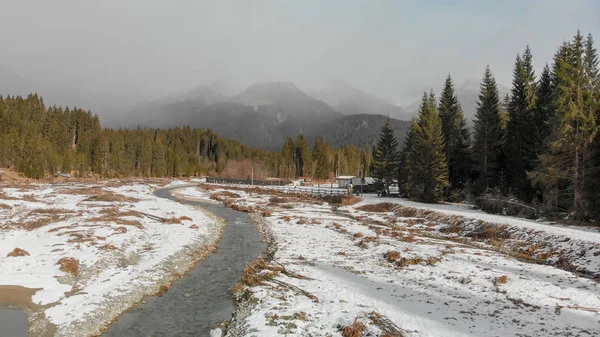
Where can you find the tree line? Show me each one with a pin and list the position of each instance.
(39, 141)
(539, 144)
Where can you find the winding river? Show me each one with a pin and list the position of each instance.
(203, 298)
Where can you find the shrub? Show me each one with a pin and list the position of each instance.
(266, 213)
(18, 252)
(500, 280)
(357, 235)
(302, 221)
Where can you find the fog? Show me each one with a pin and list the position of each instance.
(110, 55)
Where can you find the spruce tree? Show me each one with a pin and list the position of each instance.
(288, 159)
(489, 137)
(386, 156)
(428, 170)
(456, 136)
(520, 130)
(303, 157)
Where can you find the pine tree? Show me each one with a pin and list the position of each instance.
(521, 139)
(544, 110)
(386, 156)
(303, 157)
(562, 170)
(428, 175)
(322, 158)
(456, 136)
(288, 161)
(489, 136)
(592, 105)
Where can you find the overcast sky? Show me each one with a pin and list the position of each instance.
(394, 49)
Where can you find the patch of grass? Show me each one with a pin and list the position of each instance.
(366, 240)
(176, 220)
(405, 262)
(302, 221)
(278, 200)
(194, 226)
(357, 235)
(18, 252)
(286, 218)
(221, 195)
(392, 256)
(162, 290)
(266, 213)
(36, 223)
(315, 222)
(108, 247)
(500, 280)
(379, 208)
(69, 265)
(49, 211)
(118, 220)
(5, 206)
(355, 330)
(111, 197)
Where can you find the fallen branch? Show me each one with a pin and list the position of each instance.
(153, 217)
(290, 273)
(296, 289)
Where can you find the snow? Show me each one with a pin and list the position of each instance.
(451, 292)
(452, 209)
(135, 259)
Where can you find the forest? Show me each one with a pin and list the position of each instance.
(41, 141)
(538, 146)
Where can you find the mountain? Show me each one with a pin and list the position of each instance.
(265, 114)
(468, 95)
(178, 110)
(361, 130)
(351, 101)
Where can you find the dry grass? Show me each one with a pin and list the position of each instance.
(366, 240)
(405, 262)
(49, 211)
(285, 218)
(194, 227)
(111, 197)
(69, 265)
(382, 207)
(18, 252)
(500, 280)
(392, 256)
(5, 206)
(357, 235)
(315, 222)
(36, 223)
(118, 220)
(302, 221)
(121, 230)
(108, 247)
(176, 220)
(219, 196)
(266, 213)
(82, 191)
(355, 330)
(278, 200)
(162, 290)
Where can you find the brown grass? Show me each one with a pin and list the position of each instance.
(392, 256)
(315, 222)
(49, 211)
(5, 206)
(35, 224)
(121, 230)
(162, 290)
(111, 197)
(221, 195)
(357, 235)
(355, 330)
(176, 220)
(18, 252)
(82, 191)
(278, 200)
(286, 218)
(500, 280)
(69, 265)
(302, 221)
(194, 227)
(266, 213)
(366, 240)
(405, 262)
(382, 207)
(108, 247)
(118, 220)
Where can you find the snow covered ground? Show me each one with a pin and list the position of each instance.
(344, 269)
(126, 241)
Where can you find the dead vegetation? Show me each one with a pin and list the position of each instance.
(500, 280)
(221, 195)
(108, 247)
(355, 330)
(18, 252)
(111, 197)
(176, 220)
(392, 256)
(35, 224)
(378, 208)
(364, 243)
(266, 213)
(69, 265)
(386, 325)
(5, 206)
(278, 200)
(302, 221)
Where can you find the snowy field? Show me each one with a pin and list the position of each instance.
(94, 250)
(391, 274)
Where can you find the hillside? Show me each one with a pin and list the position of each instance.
(361, 130)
